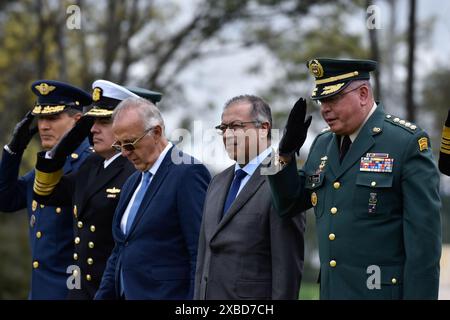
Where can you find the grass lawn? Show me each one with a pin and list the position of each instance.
(309, 291)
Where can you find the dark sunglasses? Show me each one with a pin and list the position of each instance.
(130, 146)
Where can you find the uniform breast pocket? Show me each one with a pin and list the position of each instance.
(314, 185)
(373, 194)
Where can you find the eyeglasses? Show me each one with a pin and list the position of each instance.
(336, 98)
(130, 146)
(235, 125)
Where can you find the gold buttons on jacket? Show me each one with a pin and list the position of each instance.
(394, 281)
(38, 234)
(336, 185)
(34, 205)
(80, 224)
(35, 264)
(91, 244)
(90, 261)
(77, 240)
(313, 199)
(334, 210)
(74, 156)
(88, 277)
(75, 256)
(331, 236)
(58, 210)
(332, 263)
(75, 272)
(75, 212)
(373, 183)
(92, 228)
(42, 206)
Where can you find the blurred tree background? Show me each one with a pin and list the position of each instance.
(158, 44)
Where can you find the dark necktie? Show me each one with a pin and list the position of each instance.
(235, 185)
(346, 143)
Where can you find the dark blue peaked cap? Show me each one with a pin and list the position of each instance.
(55, 96)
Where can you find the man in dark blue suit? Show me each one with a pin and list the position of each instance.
(157, 221)
(58, 107)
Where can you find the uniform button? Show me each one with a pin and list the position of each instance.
(92, 228)
(35, 264)
(77, 240)
(38, 234)
(332, 263)
(394, 281)
(74, 156)
(75, 273)
(336, 185)
(373, 183)
(88, 277)
(42, 206)
(58, 210)
(75, 256)
(80, 224)
(333, 210)
(90, 261)
(331, 236)
(91, 244)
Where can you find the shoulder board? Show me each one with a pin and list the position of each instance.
(324, 130)
(406, 125)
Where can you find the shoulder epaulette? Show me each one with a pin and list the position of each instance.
(408, 126)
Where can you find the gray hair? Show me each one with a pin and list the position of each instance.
(260, 109)
(149, 113)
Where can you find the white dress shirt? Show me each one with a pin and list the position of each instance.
(250, 167)
(153, 169)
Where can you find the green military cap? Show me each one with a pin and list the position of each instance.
(334, 75)
(153, 96)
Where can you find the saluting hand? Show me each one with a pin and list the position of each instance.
(22, 134)
(72, 139)
(296, 130)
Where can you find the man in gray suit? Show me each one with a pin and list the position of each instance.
(246, 251)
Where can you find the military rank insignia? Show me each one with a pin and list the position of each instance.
(376, 162)
(373, 203)
(323, 162)
(423, 143)
(112, 192)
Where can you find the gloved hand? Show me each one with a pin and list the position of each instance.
(72, 139)
(296, 129)
(22, 134)
(447, 122)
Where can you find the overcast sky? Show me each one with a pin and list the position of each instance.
(220, 78)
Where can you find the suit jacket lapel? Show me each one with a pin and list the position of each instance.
(251, 187)
(125, 200)
(216, 201)
(333, 155)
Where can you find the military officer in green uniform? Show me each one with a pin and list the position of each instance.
(372, 182)
(444, 155)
